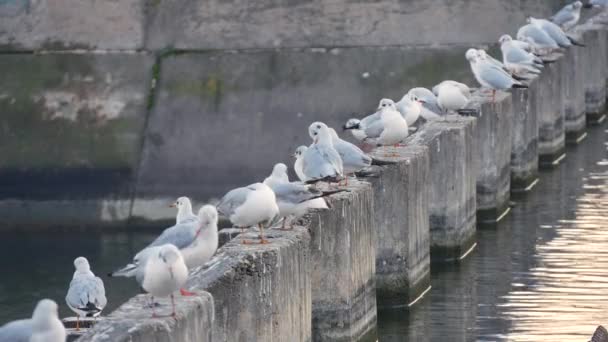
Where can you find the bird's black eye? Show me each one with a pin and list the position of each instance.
(319, 126)
(315, 133)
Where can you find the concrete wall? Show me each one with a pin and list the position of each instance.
(574, 96)
(551, 131)
(524, 136)
(401, 221)
(452, 189)
(594, 35)
(493, 141)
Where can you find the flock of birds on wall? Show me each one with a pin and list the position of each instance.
(161, 268)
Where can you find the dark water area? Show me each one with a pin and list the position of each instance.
(541, 275)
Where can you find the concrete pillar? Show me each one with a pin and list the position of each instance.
(343, 252)
(493, 141)
(594, 36)
(524, 137)
(132, 321)
(401, 221)
(551, 133)
(574, 97)
(452, 196)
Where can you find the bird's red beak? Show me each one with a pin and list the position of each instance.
(172, 205)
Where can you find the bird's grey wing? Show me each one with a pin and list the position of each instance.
(315, 165)
(352, 155)
(84, 290)
(374, 129)
(563, 16)
(333, 157)
(232, 200)
(540, 36)
(368, 120)
(181, 235)
(495, 77)
(516, 55)
(294, 193)
(16, 331)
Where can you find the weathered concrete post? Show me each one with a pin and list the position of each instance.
(343, 252)
(132, 321)
(524, 137)
(551, 133)
(574, 96)
(493, 141)
(401, 221)
(594, 36)
(452, 197)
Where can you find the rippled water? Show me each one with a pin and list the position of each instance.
(541, 275)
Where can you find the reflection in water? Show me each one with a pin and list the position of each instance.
(541, 275)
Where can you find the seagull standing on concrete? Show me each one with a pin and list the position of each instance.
(568, 16)
(430, 109)
(197, 240)
(542, 42)
(44, 326)
(489, 75)
(410, 106)
(184, 210)
(164, 273)
(452, 96)
(86, 295)
(251, 205)
(390, 129)
(353, 158)
(297, 165)
(321, 161)
(293, 198)
(517, 60)
(553, 30)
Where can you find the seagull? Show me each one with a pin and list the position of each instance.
(489, 75)
(390, 129)
(568, 16)
(353, 158)
(536, 36)
(197, 241)
(321, 161)
(86, 295)
(517, 60)
(184, 210)
(164, 273)
(553, 30)
(430, 110)
(293, 198)
(44, 326)
(410, 107)
(297, 165)
(452, 96)
(596, 4)
(254, 204)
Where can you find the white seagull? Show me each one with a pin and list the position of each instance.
(184, 210)
(164, 273)
(86, 295)
(321, 161)
(353, 158)
(489, 75)
(44, 326)
(568, 16)
(252, 205)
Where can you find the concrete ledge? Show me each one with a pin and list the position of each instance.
(594, 36)
(261, 292)
(524, 138)
(551, 131)
(132, 322)
(343, 248)
(574, 95)
(401, 222)
(493, 141)
(452, 197)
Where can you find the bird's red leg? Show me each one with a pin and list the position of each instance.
(244, 241)
(186, 293)
(77, 322)
(262, 240)
(173, 305)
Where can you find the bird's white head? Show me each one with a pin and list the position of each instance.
(82, 264)
(504, 38)
(576, 5)
(471, 55)
(169, 254)
(208, 215)
(300, 151)
(482, 54)
(279, 170)
(45, 309)
(319, 132)
(352, 124)
(386, 104)
(182, 203)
